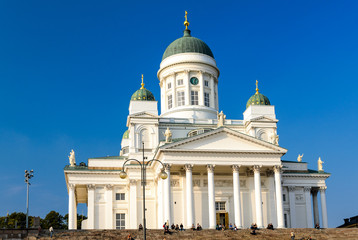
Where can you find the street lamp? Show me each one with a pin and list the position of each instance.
(28, 176)
(143, 168)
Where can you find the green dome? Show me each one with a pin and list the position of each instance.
(258, 99)
(186, 44)
(143, 94)
(126, 135)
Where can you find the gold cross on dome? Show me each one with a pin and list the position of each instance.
(257, 87)
(142, 83)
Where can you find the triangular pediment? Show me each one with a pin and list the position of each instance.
(224, 139)
(263, 119)
(144, 115)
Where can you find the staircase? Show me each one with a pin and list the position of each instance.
(277, 234)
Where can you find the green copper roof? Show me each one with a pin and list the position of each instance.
(143, 94)
(186, 44)
(258, 99)
(126, 135)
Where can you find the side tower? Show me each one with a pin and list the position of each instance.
(260, 118)
(188, 78)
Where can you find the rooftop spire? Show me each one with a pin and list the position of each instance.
(186, 23)
(142, 83)
(257, 87)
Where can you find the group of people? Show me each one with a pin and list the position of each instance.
(220, 227)
(197, 228)
(173, 227)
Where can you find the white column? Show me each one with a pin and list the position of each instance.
(292, 198)
(160, 204)
(307, 191)
(72, 215)
(237, 198)
(189, 196)
(133, 204)
(315, 206)
(187, 87)
(279, 202)
(212, 85)
(258, 198)
(211, 197)
(90, 206)
(167, 201)
(201, 85)
(109, 206)
(322, 191)
(174, 90)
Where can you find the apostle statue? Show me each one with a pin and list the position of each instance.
(320, 165)
(299, 158)
(168, 135)
(72, 158)
(221, 119)
(274, 138)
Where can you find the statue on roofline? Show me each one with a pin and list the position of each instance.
(72, 158)
(320, 165)
(299, 158)
(168, 135)
(221, 119)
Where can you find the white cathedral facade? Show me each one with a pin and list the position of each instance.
(219, 170)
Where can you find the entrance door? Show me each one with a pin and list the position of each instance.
(223, 219)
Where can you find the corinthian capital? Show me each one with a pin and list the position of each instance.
(277, 169)
(235, 168)
(188, 167)
(322, 189)
(210, 167)
(256, 168)
(307, 189)
(167, 167)
(91, 186)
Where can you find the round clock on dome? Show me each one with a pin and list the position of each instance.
(194, 80)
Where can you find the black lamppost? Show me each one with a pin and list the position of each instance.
(28, 176)
(143, 166)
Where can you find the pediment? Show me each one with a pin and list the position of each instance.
(224, 139)
(144, 115)
(263, 119)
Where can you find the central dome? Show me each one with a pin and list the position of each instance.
(187, 44)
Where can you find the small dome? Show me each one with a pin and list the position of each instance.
(125, 135)
(258, 98)
(187, 44)
(143, 94)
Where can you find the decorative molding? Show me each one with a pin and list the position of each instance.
(175, 183)
(299, 197)
(223, 183)
(132, 182)
(188, 167)
(242, 183)
(196, 183)
(210, 168)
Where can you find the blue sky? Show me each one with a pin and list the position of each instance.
(68, 69)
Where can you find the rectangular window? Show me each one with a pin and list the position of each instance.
(206, 83)
(180, 82)
(194, 98)
(120, 196)
(169, 85)
(284, 197)
(170, 101)
(120, 220)
(207, 99)
(285, 217)
(181, 98)
(220, 206)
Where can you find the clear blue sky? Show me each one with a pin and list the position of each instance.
(68, 69)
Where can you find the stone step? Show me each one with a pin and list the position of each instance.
(277, 234)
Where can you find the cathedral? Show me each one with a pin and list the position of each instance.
(200, 167)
